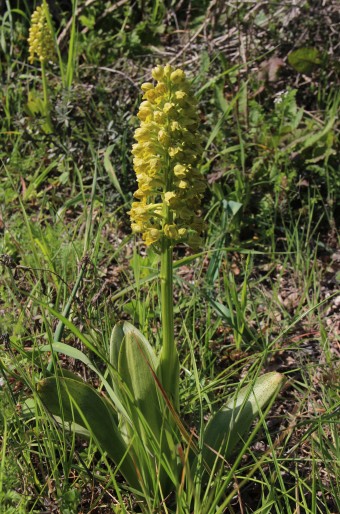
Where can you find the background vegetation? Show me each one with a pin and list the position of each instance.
(262, 294)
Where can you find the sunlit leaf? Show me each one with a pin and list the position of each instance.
(305, 60)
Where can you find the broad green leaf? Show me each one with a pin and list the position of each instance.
(28, 407)
(228, 426)
(152, 421)
(138, 361)
(117, 336)
(77, 402)
(69, 374)
(35, 104)
(136, 367)
(122, 329)
(305, 60)
(66, 349)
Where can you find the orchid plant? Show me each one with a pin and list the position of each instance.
(42, 47)
(135, 418)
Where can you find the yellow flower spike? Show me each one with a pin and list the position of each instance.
(168, 149)
(40, 37)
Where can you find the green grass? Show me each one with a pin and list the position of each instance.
(261, 295)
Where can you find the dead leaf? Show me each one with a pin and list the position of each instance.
(269, 69)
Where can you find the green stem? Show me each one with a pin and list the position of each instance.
(169, 361)
(167, 299)
(46, 99)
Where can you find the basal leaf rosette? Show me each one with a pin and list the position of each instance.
(166, 159)
(40, 37)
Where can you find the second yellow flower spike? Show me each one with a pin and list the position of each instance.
(40, 38)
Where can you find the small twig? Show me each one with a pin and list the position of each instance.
(198, 31)
(81, 8)
(111, 70)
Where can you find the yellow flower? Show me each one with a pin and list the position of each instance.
(166, 157)
(40, 38)
(171, 231)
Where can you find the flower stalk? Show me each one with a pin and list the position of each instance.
(169, 360)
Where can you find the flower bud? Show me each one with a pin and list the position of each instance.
(171, 231)
(146, 86)
(177, 76)
(151, 236)
(158, 73)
